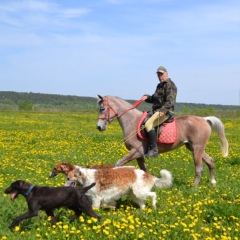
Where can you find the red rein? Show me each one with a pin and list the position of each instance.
(107, 115)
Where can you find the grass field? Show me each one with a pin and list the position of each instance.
(32, 143)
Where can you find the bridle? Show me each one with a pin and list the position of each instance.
(107, 117)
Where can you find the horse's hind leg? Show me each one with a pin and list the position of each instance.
(197, 156)
(209, 161)
(142, 164)
(198, 167)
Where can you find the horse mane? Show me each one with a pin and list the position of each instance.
(124, 104)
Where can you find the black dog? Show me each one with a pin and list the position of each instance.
(48, 198)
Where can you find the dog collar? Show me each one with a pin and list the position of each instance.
(29, 190)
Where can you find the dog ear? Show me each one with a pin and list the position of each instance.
(66, 167)
(71, 167)
(19, 184)
(78, 172)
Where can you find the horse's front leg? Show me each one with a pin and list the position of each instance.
(133, 154)
(142, 164)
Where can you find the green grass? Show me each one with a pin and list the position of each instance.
(32, 143)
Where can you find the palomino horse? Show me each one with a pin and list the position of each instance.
(192, 131)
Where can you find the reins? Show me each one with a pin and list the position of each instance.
(134, 105)
(116, 115)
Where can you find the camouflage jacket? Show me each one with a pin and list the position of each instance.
(164, 97)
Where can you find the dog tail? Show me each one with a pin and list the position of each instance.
(85, 189)
(165, 181)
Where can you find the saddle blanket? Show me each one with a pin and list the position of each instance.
(168, 131)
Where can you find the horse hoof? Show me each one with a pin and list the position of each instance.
(151, 154)
(213, 182)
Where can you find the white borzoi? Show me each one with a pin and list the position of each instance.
(114, 183)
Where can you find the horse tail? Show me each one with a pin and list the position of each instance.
(218, 127)
(165, 181)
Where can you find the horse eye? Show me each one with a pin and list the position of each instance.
(102, 109)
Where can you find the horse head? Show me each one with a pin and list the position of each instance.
(106, 113)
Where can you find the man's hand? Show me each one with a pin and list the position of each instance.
(161, 114)
(144, 97)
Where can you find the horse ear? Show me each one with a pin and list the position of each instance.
(100, 97)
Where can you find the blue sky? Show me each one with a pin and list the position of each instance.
(113, 47)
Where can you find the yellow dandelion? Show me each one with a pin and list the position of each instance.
(131, 227)
(17, 228)
(65, 227)
(106, 232)
(94, 220)
(140, 235)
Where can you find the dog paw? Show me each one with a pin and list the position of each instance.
(11, 226)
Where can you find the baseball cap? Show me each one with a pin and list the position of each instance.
(161, 69)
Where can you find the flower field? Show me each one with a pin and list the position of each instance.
(32, 143)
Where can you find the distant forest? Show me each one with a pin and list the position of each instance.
(16, 101)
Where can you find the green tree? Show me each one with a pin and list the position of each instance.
(25, 106)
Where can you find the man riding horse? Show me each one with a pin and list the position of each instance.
(163, 101)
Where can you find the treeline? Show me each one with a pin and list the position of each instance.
(45, 102)
(16, 101)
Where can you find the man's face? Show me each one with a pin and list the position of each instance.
(162, 76)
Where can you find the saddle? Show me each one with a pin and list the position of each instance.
(167, 132)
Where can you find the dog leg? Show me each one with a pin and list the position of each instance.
(22, 217)
(111, 204)
(90, 212)
(96, 202)
(140, 197)
(140, 202)
(84, 205)
(51, 214)
(137, 200)
(154, 198)
(77, 213)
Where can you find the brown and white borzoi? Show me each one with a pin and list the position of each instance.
(114, 183)
(66, 167)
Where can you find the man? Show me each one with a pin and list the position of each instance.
(163, 101)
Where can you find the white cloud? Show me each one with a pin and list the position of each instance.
(73, 13)
(25, 5)
(117, 48)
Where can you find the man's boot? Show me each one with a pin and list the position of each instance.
(152, 144)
